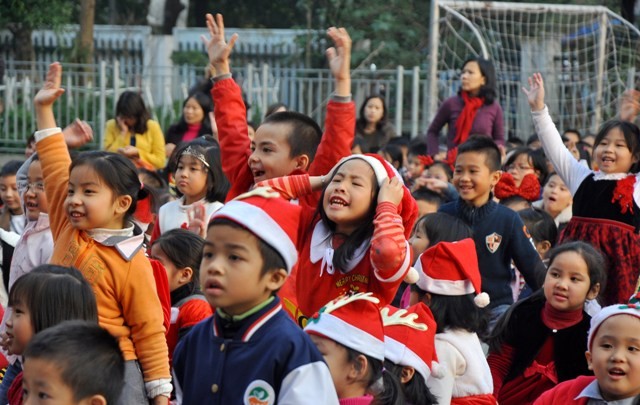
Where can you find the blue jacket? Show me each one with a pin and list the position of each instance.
(269, 360)
(500, 236)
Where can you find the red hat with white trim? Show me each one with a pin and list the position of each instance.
(409, 338)
(408, 208)
(632, 309)
(354, 321)
(268, 216)
(451, 268)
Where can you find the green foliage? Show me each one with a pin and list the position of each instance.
(35, 13)
(195, 58)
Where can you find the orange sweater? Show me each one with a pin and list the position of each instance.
(128, 305)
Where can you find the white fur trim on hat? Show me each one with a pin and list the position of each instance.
(401, 355)
(444, 287)
(347, 335)
(377, 166)
(606, 313)
(263, 226)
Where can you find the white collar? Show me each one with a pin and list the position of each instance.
(123, 240)
(321, 249)
(598, 175)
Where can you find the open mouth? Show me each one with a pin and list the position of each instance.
(257, 173)
(337, 201)
(616, 373)
(213, 287)
(76, 214)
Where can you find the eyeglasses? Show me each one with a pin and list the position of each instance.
(520, 168)
(37, 187)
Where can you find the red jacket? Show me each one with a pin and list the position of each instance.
(235, 145)
(564, 393)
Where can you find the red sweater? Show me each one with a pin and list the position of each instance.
(235, 145)
(380, 270)
(564, 393)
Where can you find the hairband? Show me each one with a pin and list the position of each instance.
(190, 151)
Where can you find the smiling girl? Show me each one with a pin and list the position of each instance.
(606, 202)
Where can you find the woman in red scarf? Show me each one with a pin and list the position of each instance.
(473, 111)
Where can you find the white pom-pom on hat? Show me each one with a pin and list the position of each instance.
(481, 300)
(412, 276)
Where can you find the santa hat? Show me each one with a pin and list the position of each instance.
(632, 309)
(407, 209)
(409, 338)
(354, 321)
(451, 268)
(268, 216)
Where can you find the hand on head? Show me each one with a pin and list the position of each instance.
(217, 48)
(535, 93)
(391, 191)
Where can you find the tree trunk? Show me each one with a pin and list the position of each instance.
(22, 40)
(84, 41)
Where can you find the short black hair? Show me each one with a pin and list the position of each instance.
(305, 133)
(458, 312)
(184, 249)
(514, 200)
(484, 145)
(394, 152)
(430, 196)
(417, 149)
(533, 138)
(11, 168)
(540, 225)
(96, 369)
(271, 259)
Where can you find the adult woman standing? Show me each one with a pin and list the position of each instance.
(372, 125)
(194, 122)
(134, 134)
(473, 110)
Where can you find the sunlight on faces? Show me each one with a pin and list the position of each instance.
(555, 196)
(230, 270)
(42, 383)
(270, 157)
(9, 194)
(473, 179)
(471, 78)
(615, 357)
(191, 178)
(348, 196)
(374, 110)
(91, 204)
(567, 283)
(192, 112)
(612, 154)
(35, 199)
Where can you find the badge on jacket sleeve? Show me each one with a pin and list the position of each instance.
(259, 392)
(493, 242)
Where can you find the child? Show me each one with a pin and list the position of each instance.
(409, 350)
(55, 369)
(180, 251)
(450, 276)
(556, 200)
(499, 234)
(606, 212)
(418, 161)
(428, 201)
(91, 201)
(287, 142)
(540, 340)
(542, 229)
(357, 238)
(41, 299)
(200, 185)
(523, 161)
(348, 332)
(249, 351)
(12, 219)
(613, 357)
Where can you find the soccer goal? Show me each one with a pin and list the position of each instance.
(588, 55)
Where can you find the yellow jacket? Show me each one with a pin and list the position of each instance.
(150, 144)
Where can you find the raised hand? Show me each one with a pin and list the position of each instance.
(339, 57)
(77, 133)
(535, 93)
(391, 191)
(217, 48)
(51, 89)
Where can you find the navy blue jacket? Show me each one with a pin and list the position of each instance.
(500, 236)
(268, 359)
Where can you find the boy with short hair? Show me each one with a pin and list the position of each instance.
(280, 146)
(613, 355)
(250, 351)
(74, 362)
(498, 232)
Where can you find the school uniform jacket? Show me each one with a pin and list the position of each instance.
(269, 360)
(566, 392)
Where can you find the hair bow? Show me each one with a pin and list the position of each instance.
(529, 188)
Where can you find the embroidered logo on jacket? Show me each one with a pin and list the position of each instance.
(259, 392)
(493, 242)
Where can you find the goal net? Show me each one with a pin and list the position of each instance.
(588, 56)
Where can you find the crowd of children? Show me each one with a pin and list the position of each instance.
(281, 268)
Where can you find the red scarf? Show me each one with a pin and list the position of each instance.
(468, 114)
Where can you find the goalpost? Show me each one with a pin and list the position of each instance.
(588, 56)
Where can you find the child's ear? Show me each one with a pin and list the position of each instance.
(276, 279)
(426, 299)
(123, 203)
(587, 354)
(96, 400)
(593, 291)
(302, 161)
(407, 374)
(186, 275)
(359, 368)
(543, 247)
(495, 177)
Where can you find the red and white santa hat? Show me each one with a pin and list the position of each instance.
(409, 338)
(407, 209)
(632, 309)
(451, 268)
(267, 215)
(354, 321)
